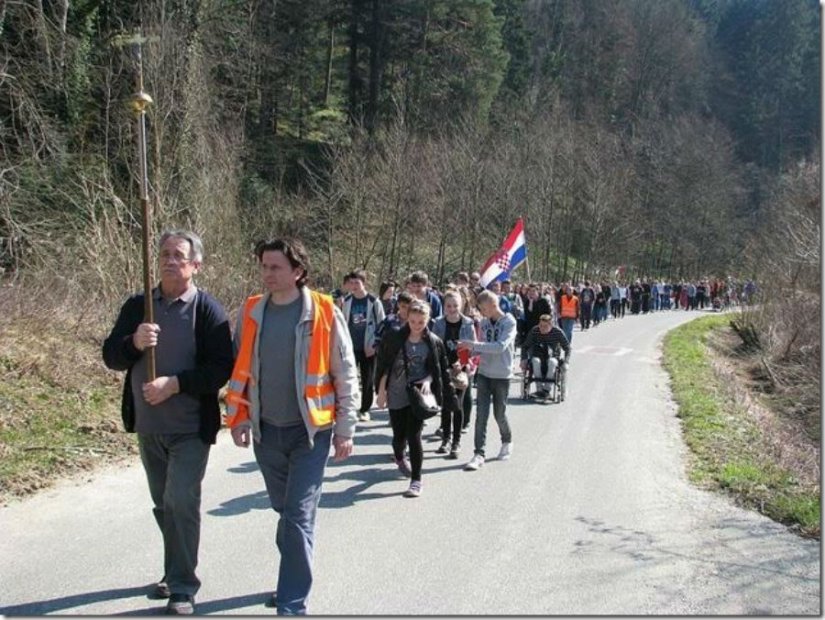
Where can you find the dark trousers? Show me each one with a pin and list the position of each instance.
(293, 472)
(406, 430)
(366, 373)
(615, 305)
(624, 306)
(175, 464)
(586, 315)
(467, 405)
(453, 421)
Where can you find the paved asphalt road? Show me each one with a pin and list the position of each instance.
(593, 515)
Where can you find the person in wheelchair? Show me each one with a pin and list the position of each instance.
(540, 353)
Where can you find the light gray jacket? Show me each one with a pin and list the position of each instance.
(375, 315)
(342, 368)
(496, 347)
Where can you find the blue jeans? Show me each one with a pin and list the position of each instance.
(567, 328)
(495, 390)
(293, 472)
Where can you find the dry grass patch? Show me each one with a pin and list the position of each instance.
(59, 405)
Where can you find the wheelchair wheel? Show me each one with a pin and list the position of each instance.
(561, 386)
(525, 387)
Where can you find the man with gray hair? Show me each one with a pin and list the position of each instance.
(176, 415)
(495, 369)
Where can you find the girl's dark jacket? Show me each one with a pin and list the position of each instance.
(437, 364)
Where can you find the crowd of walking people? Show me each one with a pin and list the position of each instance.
(301, 368)
(480, 329)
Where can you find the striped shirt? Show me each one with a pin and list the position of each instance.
(551, 341)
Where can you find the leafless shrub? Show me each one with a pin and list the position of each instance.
(786, 253)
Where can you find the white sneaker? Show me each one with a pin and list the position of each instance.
(364, 416)
(475, 462)
(505, 452)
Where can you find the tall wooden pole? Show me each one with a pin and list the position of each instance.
(140, 102)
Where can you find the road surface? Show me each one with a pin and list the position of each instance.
(592, 515)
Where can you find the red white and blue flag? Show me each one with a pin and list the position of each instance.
(510, 255)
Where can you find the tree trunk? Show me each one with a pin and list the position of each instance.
(330, 48)
(44, 33)
(354, 86)
(376, 60)
(2, 16)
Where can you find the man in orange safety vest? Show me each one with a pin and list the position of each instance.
(294, 388)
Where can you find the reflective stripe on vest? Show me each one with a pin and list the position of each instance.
(237, 406)
(319, 392)
(569, 307)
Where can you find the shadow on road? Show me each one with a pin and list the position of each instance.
(364, 470)
(39, 608)
(210, 607)
(244, 468)
(241, 505)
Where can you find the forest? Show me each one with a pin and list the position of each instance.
(672, 137)
(677, 139)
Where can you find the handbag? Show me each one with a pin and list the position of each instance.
(459, 379)
(423, 406)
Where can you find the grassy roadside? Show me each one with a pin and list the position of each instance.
(729, 447)
(59, 408)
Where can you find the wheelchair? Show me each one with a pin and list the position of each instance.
(558, 382)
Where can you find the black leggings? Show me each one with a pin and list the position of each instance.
(453, 421)
(467, 405)
(366, 369)
(406, 429)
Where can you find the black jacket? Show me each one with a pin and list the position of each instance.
(437, 364)
(213, 358)
(531, 317)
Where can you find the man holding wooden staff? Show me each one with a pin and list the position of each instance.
(175, 414)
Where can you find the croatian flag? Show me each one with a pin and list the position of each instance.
(510, 255)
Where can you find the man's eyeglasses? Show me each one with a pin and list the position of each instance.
(176, 257)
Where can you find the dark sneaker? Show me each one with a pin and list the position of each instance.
(161, 589)
(453, 455)
(442, 449)
(180, 605)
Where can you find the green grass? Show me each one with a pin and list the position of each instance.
(726, 443)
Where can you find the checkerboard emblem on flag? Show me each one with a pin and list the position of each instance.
(511, 254)
(503, 261)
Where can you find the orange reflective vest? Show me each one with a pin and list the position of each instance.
(569, 307)
(319, 391)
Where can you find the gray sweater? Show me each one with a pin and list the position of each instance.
(496, 347)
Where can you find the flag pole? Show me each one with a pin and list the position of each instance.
(526, 253)
(140, 102)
